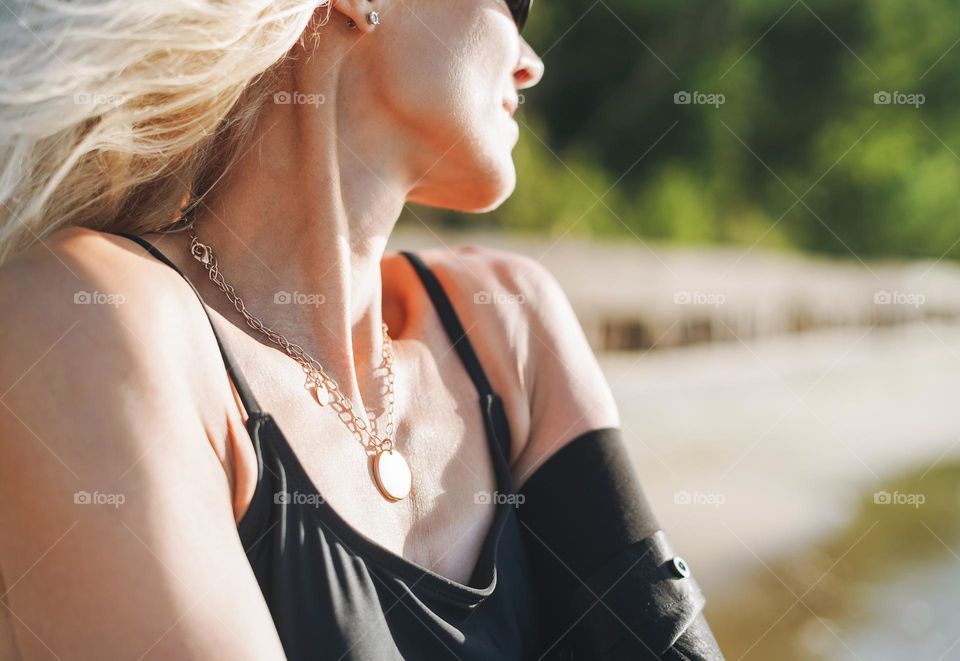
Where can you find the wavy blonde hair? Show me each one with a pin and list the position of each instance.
(112, 110)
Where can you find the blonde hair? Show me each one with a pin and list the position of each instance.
(112, 110)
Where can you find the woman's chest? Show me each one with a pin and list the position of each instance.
(441, 431)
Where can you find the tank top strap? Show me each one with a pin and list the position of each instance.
(498, 430)
(451, 323)
(250, 403)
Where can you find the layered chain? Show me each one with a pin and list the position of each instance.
(325, 388)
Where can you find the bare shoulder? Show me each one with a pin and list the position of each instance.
(79, 276)
(531, 331)
(87, 299)
(104, 472)
(94, 324)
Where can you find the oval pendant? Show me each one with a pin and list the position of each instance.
(392, 475)
(322, 395)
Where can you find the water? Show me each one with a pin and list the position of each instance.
(913, 617)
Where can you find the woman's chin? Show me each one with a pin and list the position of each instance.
(491, 203)
(484, 191)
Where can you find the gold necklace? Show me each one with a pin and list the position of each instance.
(391, 473)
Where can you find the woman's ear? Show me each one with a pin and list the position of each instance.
(362, 15)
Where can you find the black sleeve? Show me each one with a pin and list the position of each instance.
(609, 583)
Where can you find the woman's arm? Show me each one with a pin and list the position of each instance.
(117, 532)
(610, 584)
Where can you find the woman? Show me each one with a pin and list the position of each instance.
(257, 154)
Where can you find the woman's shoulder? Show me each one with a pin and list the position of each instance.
(508, 297)
(515, 309)
(76, 269)
(106, 468)
(78, 289)
(100, 332)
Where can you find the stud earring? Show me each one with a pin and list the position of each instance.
(373, 18)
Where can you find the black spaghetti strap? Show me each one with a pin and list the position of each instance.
(250, 403)
(451, 322)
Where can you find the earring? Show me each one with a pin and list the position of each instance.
(373, 18)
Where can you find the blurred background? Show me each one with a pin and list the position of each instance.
(753, 208)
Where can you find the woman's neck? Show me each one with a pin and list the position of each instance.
(300, 224)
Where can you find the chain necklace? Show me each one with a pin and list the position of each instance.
(391, 473)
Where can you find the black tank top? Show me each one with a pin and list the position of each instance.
(336, 594)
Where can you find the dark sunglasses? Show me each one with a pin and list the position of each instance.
(520, 9)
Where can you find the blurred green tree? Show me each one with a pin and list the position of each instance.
(836, 132)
